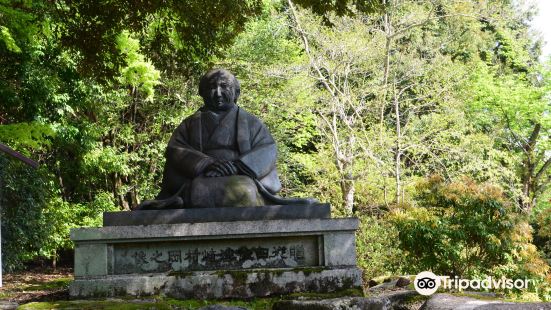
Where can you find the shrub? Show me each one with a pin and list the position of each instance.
(377, 246)
(470, 230)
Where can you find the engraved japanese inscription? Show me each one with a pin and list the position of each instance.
(216, 255)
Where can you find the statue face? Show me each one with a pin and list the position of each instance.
(219, 91)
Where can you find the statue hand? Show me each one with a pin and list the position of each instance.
(212, 174)
(222, 168)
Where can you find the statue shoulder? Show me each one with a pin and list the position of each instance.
(195, 115)
(191, 118)
(188, 122)
(250, 118)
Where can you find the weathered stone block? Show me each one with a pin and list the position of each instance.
(216, 259)
(90, 260)
(340, 249)
(220, 284)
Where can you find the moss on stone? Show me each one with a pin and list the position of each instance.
(180, 274)
(481, 296)
(50, 285)
(239, 277)
(309, 270)
(351, 292)
(154, 303)
(415, 299)
(94, 304)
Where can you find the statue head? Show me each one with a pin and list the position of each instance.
(219, 89)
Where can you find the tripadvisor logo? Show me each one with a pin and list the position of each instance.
(427, 283)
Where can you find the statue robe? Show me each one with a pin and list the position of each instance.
(202, 138)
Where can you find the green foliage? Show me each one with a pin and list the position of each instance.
(377, 250)
(35, 219)
(8, 40)
(542, 236)
(180, 35)
(459, 228)
(467, 229)
(262, 57)
(342, 7)
(470, 230)
(138, 72)
(516, 112)
(363, 99)
(27, 135)
(24, 193)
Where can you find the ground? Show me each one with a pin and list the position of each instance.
(48, 289)
(41, 284)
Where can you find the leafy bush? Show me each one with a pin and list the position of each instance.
(462, 228)
(35, 220)
(377, 246)
(23, 194)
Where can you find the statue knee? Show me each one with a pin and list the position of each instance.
(230, 191)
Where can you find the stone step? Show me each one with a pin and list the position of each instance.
(202, 215)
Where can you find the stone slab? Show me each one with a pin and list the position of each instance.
(8, 305)
(339, 249)
(215, 230)
(220, 284)
(222, 307)
(445, 301)
(92, 259)
(388, 301)
(200, 215)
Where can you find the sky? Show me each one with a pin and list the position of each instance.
(542, 22)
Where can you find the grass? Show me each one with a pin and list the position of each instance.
(158, 303)
(55, 284)
(169, 303)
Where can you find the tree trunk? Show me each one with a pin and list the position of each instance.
(117, 184)
(528, 171)
(398, 157)
(388, 41)
(348, 190)
(54, 260)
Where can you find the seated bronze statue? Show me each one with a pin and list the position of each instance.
(221, 156)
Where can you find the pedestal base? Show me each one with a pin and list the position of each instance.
(222, 259)
(220, 284)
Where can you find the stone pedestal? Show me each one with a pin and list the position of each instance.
(278, 251)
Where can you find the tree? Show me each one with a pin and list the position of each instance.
(386, 90)
(180, 37)
(518, 111)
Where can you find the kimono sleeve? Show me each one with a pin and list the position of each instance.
(182, 155)
(260, 160)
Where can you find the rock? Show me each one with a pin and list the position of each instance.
(450, 302)
(517, 306)
(325, 304)
(386, 285)
(386, 301)
(483, 295)
(222, 307)
(447, 301)
(402, 282)
(8, 305)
